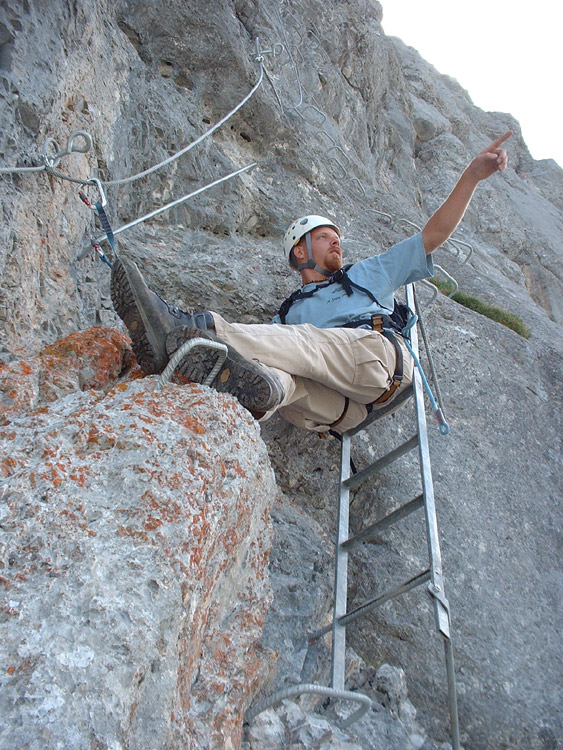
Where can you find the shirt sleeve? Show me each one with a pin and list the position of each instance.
(401, 264)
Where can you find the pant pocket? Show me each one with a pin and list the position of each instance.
(375, 359)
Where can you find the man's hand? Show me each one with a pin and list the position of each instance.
(444, 222)
(492, 159)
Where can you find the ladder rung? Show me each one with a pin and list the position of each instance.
(396, 515)
(383, 411)
(370, 604)
(355, 480)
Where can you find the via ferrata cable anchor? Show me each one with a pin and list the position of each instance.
(52, 160)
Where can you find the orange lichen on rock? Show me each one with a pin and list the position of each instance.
(91, 359)
(139, 514)
(99, 354)
(7, 466)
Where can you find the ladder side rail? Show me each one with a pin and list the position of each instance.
(338, 671)
(452, 693)
(436, 587)
(437, 583)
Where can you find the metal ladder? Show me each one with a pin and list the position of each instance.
(345, 544)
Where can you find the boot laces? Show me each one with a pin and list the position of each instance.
(174, 310)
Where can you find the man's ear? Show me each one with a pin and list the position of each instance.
(300, 252)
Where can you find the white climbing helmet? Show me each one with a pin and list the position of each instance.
(300, 227)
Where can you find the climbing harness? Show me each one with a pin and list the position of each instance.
(337, 277)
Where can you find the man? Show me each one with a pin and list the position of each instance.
(330, 356)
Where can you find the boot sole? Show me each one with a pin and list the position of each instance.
(150, 356)
(249, 382)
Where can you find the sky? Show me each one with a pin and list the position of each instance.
(507, 55)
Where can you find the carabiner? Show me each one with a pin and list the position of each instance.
(444, 426)
(51, 160)
(413, 318)
(95, 181)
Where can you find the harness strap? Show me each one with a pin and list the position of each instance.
(341, 417)
(339, 277)
(377, 323)
(380, 323)
(398, 374)
(104, 221)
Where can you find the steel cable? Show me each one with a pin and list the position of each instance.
(50, 162)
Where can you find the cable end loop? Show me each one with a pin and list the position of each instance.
(444, 426)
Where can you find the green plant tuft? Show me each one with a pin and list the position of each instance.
(490, 311)
(443, 285)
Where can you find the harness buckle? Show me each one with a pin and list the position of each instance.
(377, 323)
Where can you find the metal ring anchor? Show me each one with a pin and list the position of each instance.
(449, 278)
(364, 701)
(53, 160)
(70, 145)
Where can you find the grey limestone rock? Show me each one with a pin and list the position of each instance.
(347, 122)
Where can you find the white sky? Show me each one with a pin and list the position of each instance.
(507, 55)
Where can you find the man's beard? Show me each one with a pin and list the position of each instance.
(333, 262)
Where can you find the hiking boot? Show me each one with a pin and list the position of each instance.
(257, 389)
(148, 317)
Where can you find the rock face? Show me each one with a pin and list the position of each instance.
(135, 545)
(347, 122)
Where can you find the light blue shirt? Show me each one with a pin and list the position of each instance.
(331, 307)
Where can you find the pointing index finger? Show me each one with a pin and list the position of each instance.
(499, 141)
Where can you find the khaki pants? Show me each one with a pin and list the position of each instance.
(320, 367)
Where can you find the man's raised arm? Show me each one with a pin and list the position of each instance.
(444, 222)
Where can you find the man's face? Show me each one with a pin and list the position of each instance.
(325, 244)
